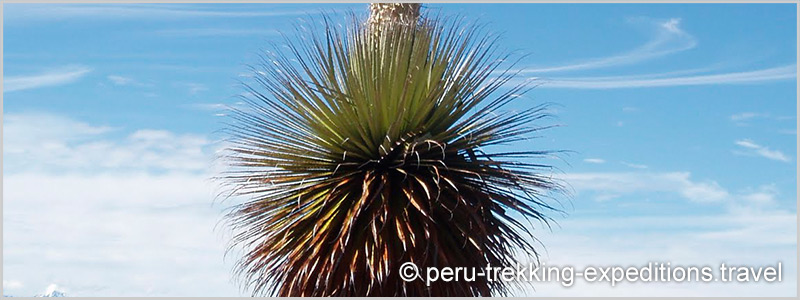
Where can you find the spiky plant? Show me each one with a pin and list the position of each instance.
(362, 149)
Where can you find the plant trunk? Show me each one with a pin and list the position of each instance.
(383, 14)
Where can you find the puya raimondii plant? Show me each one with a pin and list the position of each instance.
(361, 147)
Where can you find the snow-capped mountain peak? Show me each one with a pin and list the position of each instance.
(52, 291)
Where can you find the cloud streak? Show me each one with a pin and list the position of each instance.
(635, 166)
(52, 12)
(637, 81)
(609, 185)
(53, 77)
(594, 160)
(639, 182)
(667, 39)
(193, 87)
(763, 151)
(120, 80)
(215, 32)
(746, 116)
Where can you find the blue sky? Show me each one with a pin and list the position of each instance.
(681, 118)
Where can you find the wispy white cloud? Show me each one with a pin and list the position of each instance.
(750, 238)
(638, 182)
(763, 151)
(788, 131)
(603, 184)
(52, 12)
(122, 214)
(594, 160)
(191, 87)
(635, 166)
(218, 109)
(703, 191)
(49, 142)
(763, 195)
(21, 132)
(53, 77)
(12, 284)
(746, 116)
(209, 106)
(215, 32)
(636, 81)
(120, 80)
(126, 234)
(667, 38)
(745, 227)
